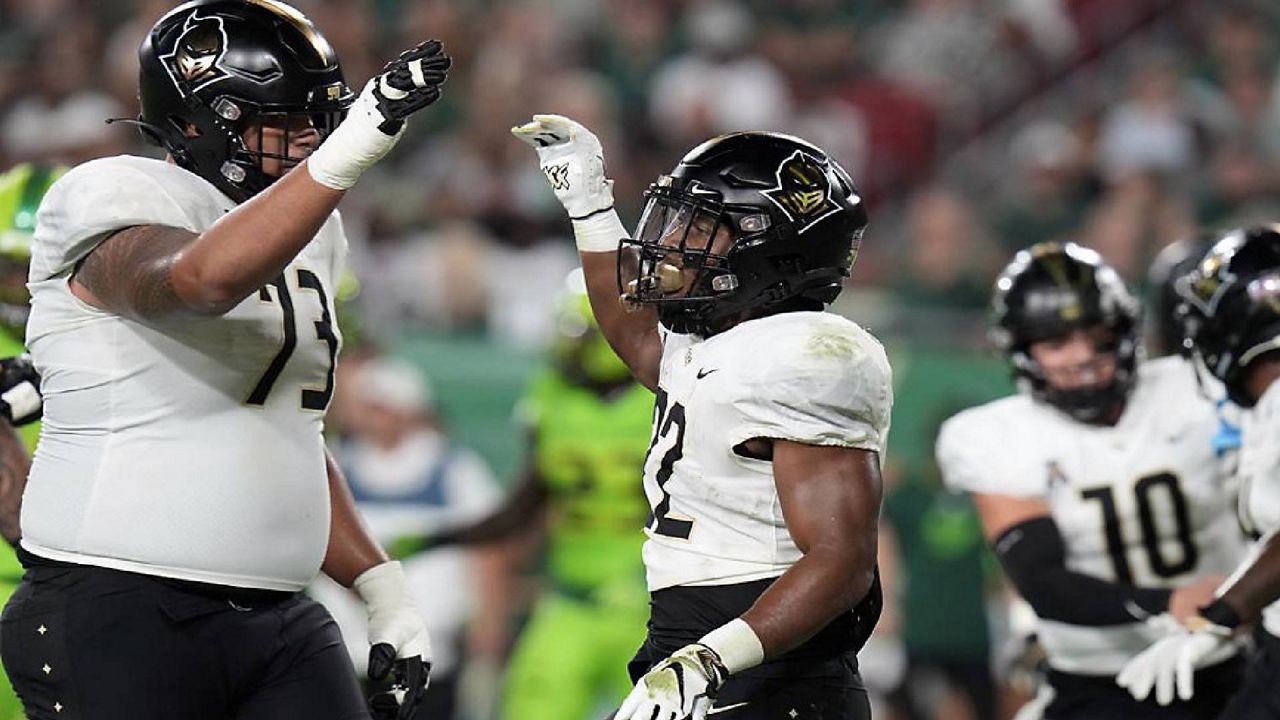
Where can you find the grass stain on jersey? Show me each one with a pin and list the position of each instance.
(831, 345)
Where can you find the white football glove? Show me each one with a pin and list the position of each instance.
(375, 121)
(682, 687)
(400, 649)
(573, 161)
(1171, 661)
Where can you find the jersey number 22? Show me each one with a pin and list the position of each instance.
(668, 418)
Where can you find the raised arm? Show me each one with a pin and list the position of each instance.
(151, 272)
(573, 161)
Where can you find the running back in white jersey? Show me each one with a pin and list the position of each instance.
(190, 448)
(1260, 477)
(1140, 503)
(809, 377)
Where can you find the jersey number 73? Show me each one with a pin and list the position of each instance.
(312, 398)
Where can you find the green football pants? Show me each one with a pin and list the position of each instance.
(572, 657)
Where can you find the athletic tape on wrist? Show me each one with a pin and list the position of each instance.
(381, 585)
(353, 147)
(737, 645)
(599, 232)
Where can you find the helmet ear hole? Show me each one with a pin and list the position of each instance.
(184, 128)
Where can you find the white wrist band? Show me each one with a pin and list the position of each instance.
(24, 399)
(353, 147)
(381, 585)
(600, 232)
(737, 645)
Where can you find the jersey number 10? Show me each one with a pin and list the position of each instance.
(1147, 522)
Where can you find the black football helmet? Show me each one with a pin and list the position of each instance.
(210, 69)
(1231, 305)
(746, 221)
(1049, 290)
(1170, 264)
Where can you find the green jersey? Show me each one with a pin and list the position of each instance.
(941, 546)
(10, 569)
(589, 452)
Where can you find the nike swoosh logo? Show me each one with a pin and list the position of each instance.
(726, 708)
(705, 372)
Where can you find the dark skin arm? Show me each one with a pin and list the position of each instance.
(527, 501)
(1259, 586)
(15, 464)
(156, 272)
(352, 550)
(830, 499)
(632, 334)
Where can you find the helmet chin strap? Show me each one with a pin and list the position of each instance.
(1092, 405)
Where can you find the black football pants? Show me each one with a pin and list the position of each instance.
(88, 643)
(1259, 696)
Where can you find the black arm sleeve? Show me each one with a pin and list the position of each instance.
(1034, 558)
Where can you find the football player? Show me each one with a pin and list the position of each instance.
(181, 322)
(588, 426)
(1170, 265)
(21, 189)
(763, 472)
(1097, 484)
(1232, 320)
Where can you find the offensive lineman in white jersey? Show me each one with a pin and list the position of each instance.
(764, 468)
(182, 496)
(1098, 485)
(1232, 325)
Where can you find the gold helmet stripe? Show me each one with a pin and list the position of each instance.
(304, 26)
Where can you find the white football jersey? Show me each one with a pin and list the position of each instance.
(1140, 503)
(190, 448)
(1260, 477)
(809, 377)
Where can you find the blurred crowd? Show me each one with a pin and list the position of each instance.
(973, 128)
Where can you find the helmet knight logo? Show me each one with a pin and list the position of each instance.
(803, 192)
(1205, 287)
(195, 56)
